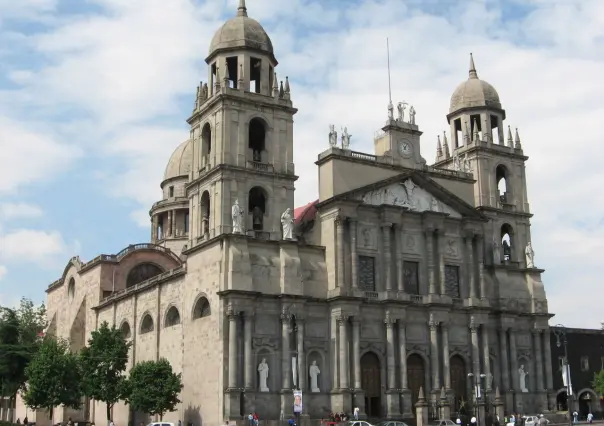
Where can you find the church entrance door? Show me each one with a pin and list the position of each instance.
(416, 376)
(459, 386)
(371, 382)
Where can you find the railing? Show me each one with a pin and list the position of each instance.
(169, 200)
(144, 284)
(263, 167)
(457, 301)
(371, 295)
(417, 298)
(363, 156)
(448, 172)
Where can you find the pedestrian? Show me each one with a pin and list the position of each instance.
(356, 413)
(590, 418)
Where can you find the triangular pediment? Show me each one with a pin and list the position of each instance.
(409, 195)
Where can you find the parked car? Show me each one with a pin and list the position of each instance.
(359, 423)
(447, 422)
(391, 423)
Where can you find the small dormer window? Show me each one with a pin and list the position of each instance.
(171, 192)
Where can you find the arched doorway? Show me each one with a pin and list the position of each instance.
(562, 401)
(371, 382)
(586, 403)
(459, 386)
(416, 376)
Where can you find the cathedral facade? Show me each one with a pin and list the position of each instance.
(400, 276)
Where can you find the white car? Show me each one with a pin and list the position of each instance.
(161, 424)
(359, 423)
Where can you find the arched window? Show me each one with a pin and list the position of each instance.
(125, 329)
(507, 241)
(71, 289)
(206, 143)
(257, 207)
(202, 308)
(502, 181)
(257, 139)
(172, 317)
(186, 223)
(205, 212)
(142, 272)
(147, 324)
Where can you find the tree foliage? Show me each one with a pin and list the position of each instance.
(103, 363)
(53, 377)
(153, 387)
(598, 382)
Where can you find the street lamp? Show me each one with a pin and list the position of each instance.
(561, 339)
(476, 386)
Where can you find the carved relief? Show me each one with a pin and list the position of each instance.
(409, 196)
(377, 347)
(367, 237)
(410, 245)
(451, 248)
(265, 343)
(460, 350)
(316, 345)
(418, 348)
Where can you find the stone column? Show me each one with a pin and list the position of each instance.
(538, 357)
(440, 247)
(173, 222)
(354, 261)
(402, 341)
(446, 356)
(505, 366)
(514, 361)
(434, 364)
(339, 222)
(233, 317)
(398, 232)
(390, 357)
(250, 371)
(429, 233)
(471, 266)
(475, 349)
(285, 352)
(344, 370)
(356, 352)
(154, 225)
(386, 227)
(302, 370)
(549, 379)
(486, 358)
(168, 231)
(480, 255)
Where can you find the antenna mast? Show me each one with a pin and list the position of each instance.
(389, 85)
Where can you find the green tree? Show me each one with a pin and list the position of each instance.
(598, 382)
(32, 322)
(153, 387)
(53, 377)
(103, 363)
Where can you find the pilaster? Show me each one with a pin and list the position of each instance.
(537, 337)
(340, 223)
(429, 235)
(285, 352)
(446, 358)
(398, 232)
(344, 352)
(387, 253)
(233, 351)
(250, 371)
(475, 348)
(486, 359)
(393, 409)
(434, 358)
(354, 261)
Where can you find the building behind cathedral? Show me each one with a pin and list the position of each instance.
(400, 276)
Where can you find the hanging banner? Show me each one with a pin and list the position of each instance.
(570, 382)
(297, 401)
(295, 371)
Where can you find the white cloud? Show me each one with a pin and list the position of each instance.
(32, 246)
(133, 65)
(19, 210)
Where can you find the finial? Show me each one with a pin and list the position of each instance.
(443, 393)
(446, 146)
(286, 84)
(510, 140)
(517, 140)
(439, 148)
(226, 75)
(281, 91)
(275, 85)
(240, 80)
(473, 73)
(420, 394)
(476, 134)
(242, 10)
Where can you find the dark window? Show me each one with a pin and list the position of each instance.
(171, 190)
(172, 317)
(147, 324)
(202, 308)
(367, 273)
(411, 277)
(452, 281)
(187, 222)
(141, 273)
(584, 363)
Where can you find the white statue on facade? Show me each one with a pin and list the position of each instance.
(333, 136)
(496, 252)
(434, 205)
(287, 223)
(522, 376)
(412, 115)
(237, 216)
(530, 255)
(263, 375)
(314, 372)
(401, 111)
(456, 163)
(345, 139)
(467, 167)
(390, 111)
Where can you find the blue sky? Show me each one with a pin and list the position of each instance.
(94, 96)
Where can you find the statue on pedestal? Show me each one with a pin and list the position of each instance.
(287, 223)
(522, 376)
(333, 136)
(263, 375)
(345, 139)
(401, 111)
(412, 115)
(530, 255)
(237, 216)
(314, 374)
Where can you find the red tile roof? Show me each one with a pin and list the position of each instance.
(305, 212)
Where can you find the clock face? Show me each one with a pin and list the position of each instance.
(405, 148)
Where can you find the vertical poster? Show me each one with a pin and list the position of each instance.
(297, 401)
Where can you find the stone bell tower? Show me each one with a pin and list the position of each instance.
(479, 144)
(242, 128)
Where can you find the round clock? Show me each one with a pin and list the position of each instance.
(405, 148)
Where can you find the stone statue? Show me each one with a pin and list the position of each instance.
(434, 205)
(314, 372)
(237, 216)
(401, 111)
(467, 167)
(530, 255)
(412, 115)
(522, 376)
(345, 139)
(507, 250)
(496, 253)
(263, 375)
(456, 164)
(390, 111)
(287, 222)
(257, 218)
(333, 136)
